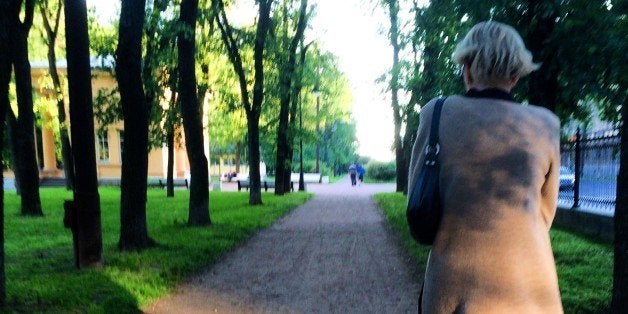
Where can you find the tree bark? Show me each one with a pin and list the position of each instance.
(170, 143)
(237, 156)
(86, 197)
(192, 118)
(5, 78)
(261, 33)
(28, 169)
(66, 149)
(284, 158)
(393, 12)
(255, 194)
(296, 92)
(133, 229)
(619, 302)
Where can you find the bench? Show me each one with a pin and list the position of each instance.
(245, 184)
(271, 185)
(162, 183)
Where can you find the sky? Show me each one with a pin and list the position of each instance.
(352, 30)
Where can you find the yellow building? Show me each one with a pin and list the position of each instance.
(108, 143)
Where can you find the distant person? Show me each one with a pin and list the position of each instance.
(352, 173)
(499, 163)
(360, 170)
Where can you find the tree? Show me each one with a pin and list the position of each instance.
(133, 229)
(192, 117)
(620, 269)
(5, 78)
(51, 25)
(402, 173)
(619, 74)
(25, 137)
(158, 73)
(253, 108)
(86, 199)
(287, 77)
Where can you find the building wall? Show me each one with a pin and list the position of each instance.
(111, 167)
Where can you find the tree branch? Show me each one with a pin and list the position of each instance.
(232, 51)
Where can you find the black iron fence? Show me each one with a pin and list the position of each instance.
(590, 161)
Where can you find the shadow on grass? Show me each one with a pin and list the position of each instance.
(47, 281)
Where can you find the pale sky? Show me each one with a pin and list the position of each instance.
(350, 29)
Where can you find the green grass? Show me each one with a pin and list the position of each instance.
(40, 272)
(584, 265)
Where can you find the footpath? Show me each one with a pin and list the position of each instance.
(333, 254)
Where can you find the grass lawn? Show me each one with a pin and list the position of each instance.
(40, 272)
(584, 265)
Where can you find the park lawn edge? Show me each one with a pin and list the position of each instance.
(40, 272)
(584, 264)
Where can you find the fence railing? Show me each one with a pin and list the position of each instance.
(593, 159)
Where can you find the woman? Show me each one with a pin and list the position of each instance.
(499, 183)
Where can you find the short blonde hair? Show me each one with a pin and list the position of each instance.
(495, 53)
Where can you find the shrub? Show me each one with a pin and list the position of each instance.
(384, 171)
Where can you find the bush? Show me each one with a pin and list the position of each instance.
(384, 171)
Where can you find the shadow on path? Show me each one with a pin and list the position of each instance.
(332, 254)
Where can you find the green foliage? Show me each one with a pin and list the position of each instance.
(588, 69)
(584, 265)
(40, 270)
(382, 171)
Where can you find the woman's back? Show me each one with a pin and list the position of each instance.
(499, 180)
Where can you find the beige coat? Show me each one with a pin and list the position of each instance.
(499, 183)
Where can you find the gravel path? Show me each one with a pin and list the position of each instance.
(333, 254)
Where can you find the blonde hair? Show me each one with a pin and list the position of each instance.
(495, 53)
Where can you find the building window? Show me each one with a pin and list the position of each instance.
(121, 137)
(103, 147)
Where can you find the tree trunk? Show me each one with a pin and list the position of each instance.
(28, 169)
(192, 118)
(255, 195)
(170, 143)
(284, 157)
(66, 149)
(86, 198)
(4, 103)
(263, 26)
(11, 125)
(282, 148)
(393, 12)
(133, 229)
(619, 302)
(5, 78)
(170, 175)
(237, 157)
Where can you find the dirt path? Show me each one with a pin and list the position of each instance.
(334, 254)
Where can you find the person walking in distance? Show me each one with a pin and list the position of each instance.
(360, 170)
(500, 163)
(352, 173)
